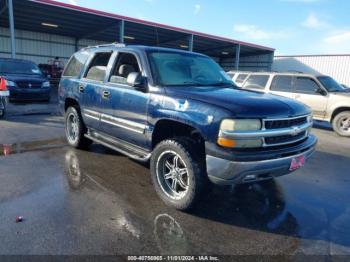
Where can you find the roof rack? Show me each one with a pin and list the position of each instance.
(115, 44)
(295, 71)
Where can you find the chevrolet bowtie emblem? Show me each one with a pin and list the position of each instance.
(295, 130)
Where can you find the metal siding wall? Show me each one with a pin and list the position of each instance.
(335, 66)
(40, 47)
(249, 63)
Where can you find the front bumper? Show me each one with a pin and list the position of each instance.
(30, 94)
(227, 172)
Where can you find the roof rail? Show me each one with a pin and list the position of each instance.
(295, 71)
(115, 44)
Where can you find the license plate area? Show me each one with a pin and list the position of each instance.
(297, 162)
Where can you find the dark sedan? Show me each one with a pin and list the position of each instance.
(24, 80)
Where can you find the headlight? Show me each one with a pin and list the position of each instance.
(240, 125)
(309, 118)
(10, 83)
(46, 84)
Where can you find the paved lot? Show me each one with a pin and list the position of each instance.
(99, 202)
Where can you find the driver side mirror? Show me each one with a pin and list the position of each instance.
(135, 79)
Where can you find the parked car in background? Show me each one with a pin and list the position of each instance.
(4, 93)
(238, 77)
(179, 110)
(328, 100)
(24, 80)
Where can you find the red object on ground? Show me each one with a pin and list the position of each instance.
(7, 150)
(3, 86)
(19, 219)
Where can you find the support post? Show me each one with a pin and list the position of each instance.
(12, 29)
(190, 42)
(238, 54)
(121, 31)
(76, 44)
(272, 57)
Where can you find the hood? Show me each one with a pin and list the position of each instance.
(242, 103)
(24, 77)
(345, 93)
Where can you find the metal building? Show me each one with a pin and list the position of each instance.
(336, 66)
(40, 30)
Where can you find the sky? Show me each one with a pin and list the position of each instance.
(292, 27)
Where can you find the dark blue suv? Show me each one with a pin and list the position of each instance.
(24, 80)
(182, 112)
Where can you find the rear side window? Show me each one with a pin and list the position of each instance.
(282, 83)
(76, 64)
(306, 85)
(240, 78)
(256, 81)
(98, 67)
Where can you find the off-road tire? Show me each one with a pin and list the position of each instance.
(195, 163)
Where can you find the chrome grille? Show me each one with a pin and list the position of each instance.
(283, 123)
(29, 84)
(275, 124)
(278, 140)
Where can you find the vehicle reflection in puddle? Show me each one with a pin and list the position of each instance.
(169, 235)
(77, 179)
(23, 147)
(257, 207)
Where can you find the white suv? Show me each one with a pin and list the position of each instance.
(328, 100)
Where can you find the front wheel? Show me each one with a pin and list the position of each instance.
(3, 106)
(178, 173)
(341, 123)
(75, 129)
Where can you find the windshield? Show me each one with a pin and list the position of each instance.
(330, 84)
(185, 69)
(19, 67)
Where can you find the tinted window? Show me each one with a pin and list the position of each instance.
(282, 83)
(256, 81)
(19, 67)
(240, 78)
(98, 67)
(126, 64)
(76, 64)
(306, 85)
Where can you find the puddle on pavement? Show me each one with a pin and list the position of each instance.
(23, 147)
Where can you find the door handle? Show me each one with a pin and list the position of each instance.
(106, 94)
(81, 88)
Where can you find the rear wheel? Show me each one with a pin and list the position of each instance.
(178, 175)
(75, 129)
(341, 123)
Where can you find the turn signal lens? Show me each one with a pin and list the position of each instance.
(3, 86)
(246, 143)
(226, 142)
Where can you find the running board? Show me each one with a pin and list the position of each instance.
(122, 147)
